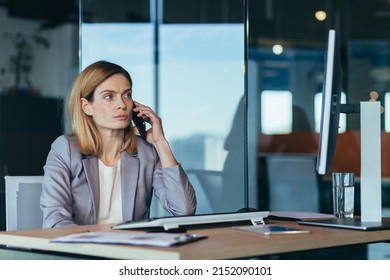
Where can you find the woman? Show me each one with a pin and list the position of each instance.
(103, 172)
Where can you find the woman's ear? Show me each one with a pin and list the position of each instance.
(86, 107)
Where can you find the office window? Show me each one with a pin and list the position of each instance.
(189, 68)
(317, 112)
(276, 112)
(127, 44)
(196, 73)
(201, 89)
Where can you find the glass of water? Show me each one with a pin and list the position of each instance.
(343, 194)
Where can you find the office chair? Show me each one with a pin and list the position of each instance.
(290, 182)
(22, 195)
(211, 183)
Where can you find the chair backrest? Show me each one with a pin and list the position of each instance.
(291, 182)
(22, 195)
(211, 184)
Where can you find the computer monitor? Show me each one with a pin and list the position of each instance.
(370, 133)
(330, 110)
(331, 107)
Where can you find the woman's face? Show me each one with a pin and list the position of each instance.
(112, 104)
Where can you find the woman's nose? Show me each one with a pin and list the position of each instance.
(121, 104)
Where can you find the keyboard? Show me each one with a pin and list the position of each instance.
(179, 222)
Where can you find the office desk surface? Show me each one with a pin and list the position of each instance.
(222, 243)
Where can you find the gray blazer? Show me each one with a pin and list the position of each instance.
(70, 194)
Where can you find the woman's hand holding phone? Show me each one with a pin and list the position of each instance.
(155, 134)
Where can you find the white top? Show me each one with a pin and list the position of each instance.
(110, 207)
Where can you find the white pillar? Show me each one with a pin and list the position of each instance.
(370, 173)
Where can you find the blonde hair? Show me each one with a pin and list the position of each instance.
(87, 136)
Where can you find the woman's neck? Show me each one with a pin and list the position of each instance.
(112, 148)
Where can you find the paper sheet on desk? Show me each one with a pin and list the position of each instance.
(161, 239)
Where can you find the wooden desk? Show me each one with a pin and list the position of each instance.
(223, 243)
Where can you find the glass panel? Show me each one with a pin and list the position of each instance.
(205, 83)
(201, 73)
(120, 43)
(38, 63)
(186, 59)
(365, 58)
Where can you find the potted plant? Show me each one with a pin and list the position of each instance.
(21, 61)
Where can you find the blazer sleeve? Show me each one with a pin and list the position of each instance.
(179, 196)
(174, 190)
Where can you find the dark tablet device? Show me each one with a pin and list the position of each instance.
(347, 224)
(272, 229)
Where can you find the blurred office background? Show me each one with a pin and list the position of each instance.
(237, 83)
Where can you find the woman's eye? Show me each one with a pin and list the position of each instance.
(107, 96)
(127, 95)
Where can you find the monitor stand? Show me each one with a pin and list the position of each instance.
(370, 175)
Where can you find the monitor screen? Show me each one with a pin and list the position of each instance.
(330, 110)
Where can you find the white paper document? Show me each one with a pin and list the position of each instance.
(161, 239)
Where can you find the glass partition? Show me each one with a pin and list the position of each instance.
(187, 62)
(288, 55)
(187, 59)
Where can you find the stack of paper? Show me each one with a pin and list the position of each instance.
(161, 239)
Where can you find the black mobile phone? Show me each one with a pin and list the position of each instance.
(140, 124)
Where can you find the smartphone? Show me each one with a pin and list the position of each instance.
(283, 230)
(273, 229)
(140, 124)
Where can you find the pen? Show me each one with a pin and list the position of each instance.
(188, 237)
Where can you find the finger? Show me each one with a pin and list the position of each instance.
(143, 111)
(146, 112)
(146, 117)
(137, 106)
(142, 108)
(136, 103)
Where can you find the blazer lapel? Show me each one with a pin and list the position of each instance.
(129, 178)
(91, 168)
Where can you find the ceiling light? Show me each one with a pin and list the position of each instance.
(277, 49)
(320, 15)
